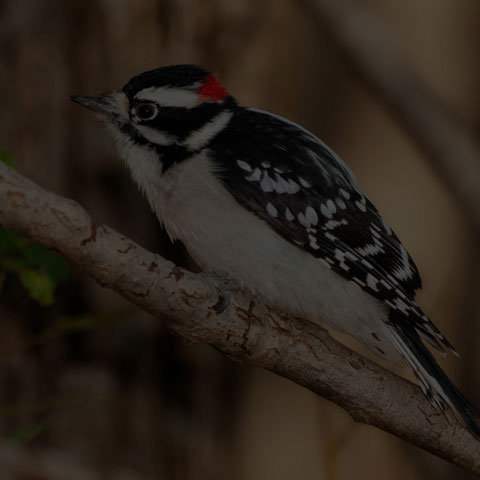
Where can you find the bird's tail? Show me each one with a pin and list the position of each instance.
(434, 383)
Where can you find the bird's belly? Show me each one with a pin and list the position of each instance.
(226, 239)
(289, 279)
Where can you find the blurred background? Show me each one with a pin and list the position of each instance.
(93, 388)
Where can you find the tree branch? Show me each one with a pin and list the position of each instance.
(247, 332)
(370, 50)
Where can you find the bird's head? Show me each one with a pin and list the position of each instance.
(179, 107)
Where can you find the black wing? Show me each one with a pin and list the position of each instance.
(301, 188)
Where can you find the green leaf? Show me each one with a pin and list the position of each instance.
(6, 157)
(13, 263)
(27, 434)
(56, 268)
(39, 270)
(39, 285)
(9, 241)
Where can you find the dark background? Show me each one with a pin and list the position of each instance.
(109, 393)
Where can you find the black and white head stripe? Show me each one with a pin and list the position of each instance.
(176, 110)
(170, 96)
(295, 183)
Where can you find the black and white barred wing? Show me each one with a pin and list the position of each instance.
(291, 180)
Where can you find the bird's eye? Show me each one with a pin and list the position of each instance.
(145, 111)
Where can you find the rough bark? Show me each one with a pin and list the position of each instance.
(246, 331)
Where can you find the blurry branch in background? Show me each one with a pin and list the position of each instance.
(247, 332)
(368, 47)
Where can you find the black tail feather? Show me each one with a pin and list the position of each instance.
(434, 382)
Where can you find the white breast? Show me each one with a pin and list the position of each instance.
(231, 242)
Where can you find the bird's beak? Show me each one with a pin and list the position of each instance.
(102, 105)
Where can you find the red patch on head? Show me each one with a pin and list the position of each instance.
(211, 89)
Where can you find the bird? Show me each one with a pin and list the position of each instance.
(263, 204)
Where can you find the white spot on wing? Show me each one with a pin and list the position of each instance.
(272, 211)
(266, 183)
(288, 215)
(325, 211)
(401, 305)
(372, 282)
(244, 165)
(331, 237)
(255, 176)
(367, 263)
(387, 227)
(400, 293)
(331, 206)
(341, 256)
(313, 242)
(361, 206)
(385, 284)
(311, 215)
(281, 186)
(405, 272)
(374, 232)
(371, 249)
(304, 182)
(331, 224)
(303, 220)
(293, 187)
